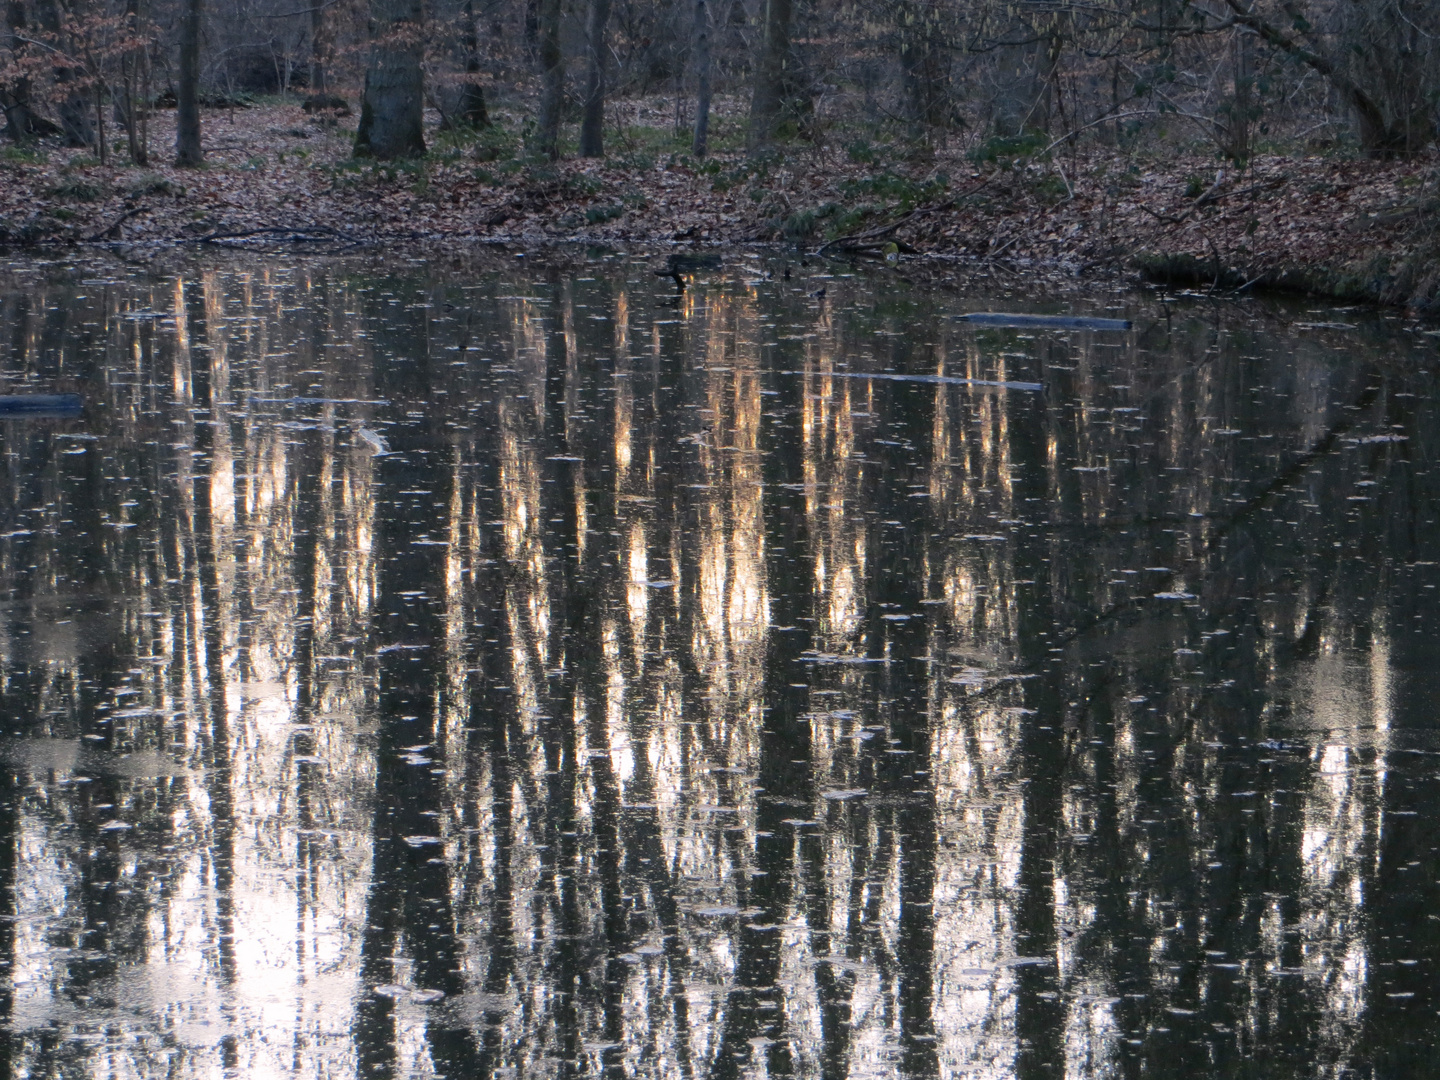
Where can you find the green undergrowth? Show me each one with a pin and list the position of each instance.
(865, 201)
(23, 155)
(1008, 151)
(76, 189)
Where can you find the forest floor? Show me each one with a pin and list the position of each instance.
(1326, 222)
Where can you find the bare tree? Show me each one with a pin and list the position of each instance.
(701, 144)
(135, 72)
(1377, 54)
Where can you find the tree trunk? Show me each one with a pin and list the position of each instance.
(472, 111)
(100, 144)
(552, 79)
(530, 32)
(75, 104)
(592, 120)
(1235, 142)
(137, 109)
(392, 109)
(320, 42)
(1027, 78)
(701, 145)
(22, 122)
(1026, 81)
(921, 63)
(188, 151)
(770, 75)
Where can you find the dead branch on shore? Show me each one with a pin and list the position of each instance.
(111, 229)
(873, 239)
(317, 234)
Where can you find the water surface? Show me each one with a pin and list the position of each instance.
(514, 670)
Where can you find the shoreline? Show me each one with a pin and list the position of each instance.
(1334, 227)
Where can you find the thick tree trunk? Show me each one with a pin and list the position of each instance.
(472, 111)
(188, 151)
(392, 110)
(770, 75)
(75, 104)
(552, 79)
(592, 120)
(1236, 116)
(922, 64)
(22, 122)
(701, 145)
(1026, 83)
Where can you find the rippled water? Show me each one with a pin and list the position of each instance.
(513, 671)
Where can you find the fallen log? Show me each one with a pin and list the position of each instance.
(1051, 322)
(307, 234)
(22, 405)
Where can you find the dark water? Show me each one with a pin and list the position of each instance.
(468, 672)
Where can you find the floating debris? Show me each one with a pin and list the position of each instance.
(942, 380)
(1050, 322)
(376, 440)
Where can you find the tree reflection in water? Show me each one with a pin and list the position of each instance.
(654, 697)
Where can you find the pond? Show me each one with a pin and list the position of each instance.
(515, 669)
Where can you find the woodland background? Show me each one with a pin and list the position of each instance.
(1263, 139)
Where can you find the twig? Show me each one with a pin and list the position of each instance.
(1209, 193)
(1166, 218)
(1252, 281)
(298, 11)
(1069, 191)
(1276, 181)
(992, 256)
(1219, 265)
(110, 229)
(1093, 123)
